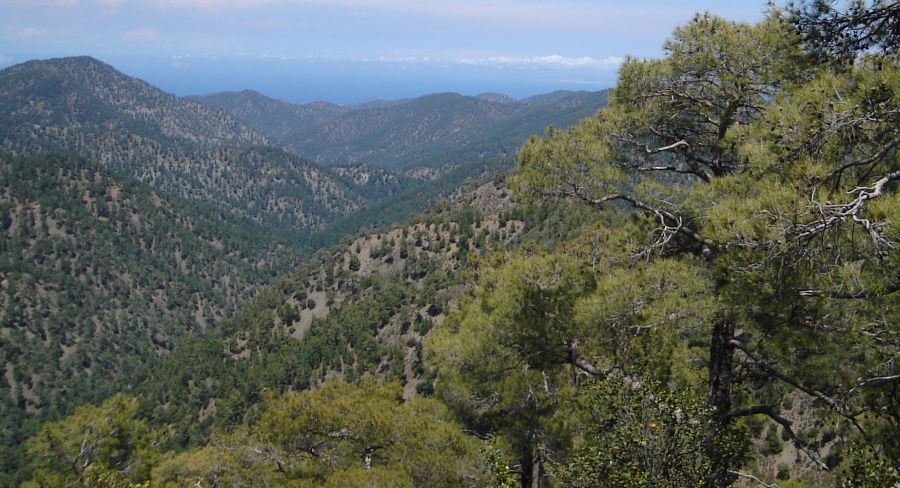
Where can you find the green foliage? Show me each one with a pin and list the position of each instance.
(674, 300)
(506, 361)
(406, 203)
(869, 472)
(638, 435)
(763, 192)
(336, 435)
(502, 360)
(772, 443)
(837, 36)
(784, 472)
(221, 376)
(106, 445)
(500, 472)
(741, 249)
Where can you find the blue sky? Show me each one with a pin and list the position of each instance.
(348, 51)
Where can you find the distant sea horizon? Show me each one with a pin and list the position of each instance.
(347, 81)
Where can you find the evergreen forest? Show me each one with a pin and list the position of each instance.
(696, 285)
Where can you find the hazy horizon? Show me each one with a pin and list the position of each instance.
(351, 51)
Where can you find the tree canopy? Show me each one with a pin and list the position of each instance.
(754, 194)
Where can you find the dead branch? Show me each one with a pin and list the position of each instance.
(835, 405)
(769, 411)
(833, 215)
(752, 478)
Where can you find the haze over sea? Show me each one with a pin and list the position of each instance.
(348, 51)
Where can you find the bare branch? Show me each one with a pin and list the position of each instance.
(765, 366)
(769, 411)
(860, 294)
(674, 169)
(580, 363)
(751, 478)
(675, 145)
(835, 405)
(834, 215)
(475, 433)
(875, 381)
(872, 159)
(669, 219)
(671, 223)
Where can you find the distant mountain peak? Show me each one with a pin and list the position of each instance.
(496, 97)
(82, 106)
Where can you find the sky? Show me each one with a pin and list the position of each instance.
(349, 51)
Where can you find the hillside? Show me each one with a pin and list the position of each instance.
(429, 131)
(84, 107)
(372, 182)
(89, 94)
(100, 277)
(280, 121)
(361, 307)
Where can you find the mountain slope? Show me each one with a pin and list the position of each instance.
(360, 307)
(100, 276)
(280, 121)
(429, 131)
(86, 93)
(84, 107)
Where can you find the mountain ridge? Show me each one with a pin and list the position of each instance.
(85, 107)
(432, 130)
(75, 78)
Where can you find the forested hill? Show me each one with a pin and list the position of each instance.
(360, 309)
(86, 93)
(84, 107)
(430, 131)
(100, 277)
(279, 120)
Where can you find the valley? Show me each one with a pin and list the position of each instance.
(139, 225)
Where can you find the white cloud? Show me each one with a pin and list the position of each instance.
(30, 32)
(213, 4)
(610, 62)
(40, 3)
(548, 61)
(553, 60)
(141, 35)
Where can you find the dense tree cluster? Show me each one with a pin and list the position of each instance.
(337, 435)
(750, 242)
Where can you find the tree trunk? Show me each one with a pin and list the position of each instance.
(536, 468)
(527, 470)
(532, 467)
(721, 355)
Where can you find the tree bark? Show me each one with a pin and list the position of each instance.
(721, 354)
(536, 468)
(532, 466)
(527, 470)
